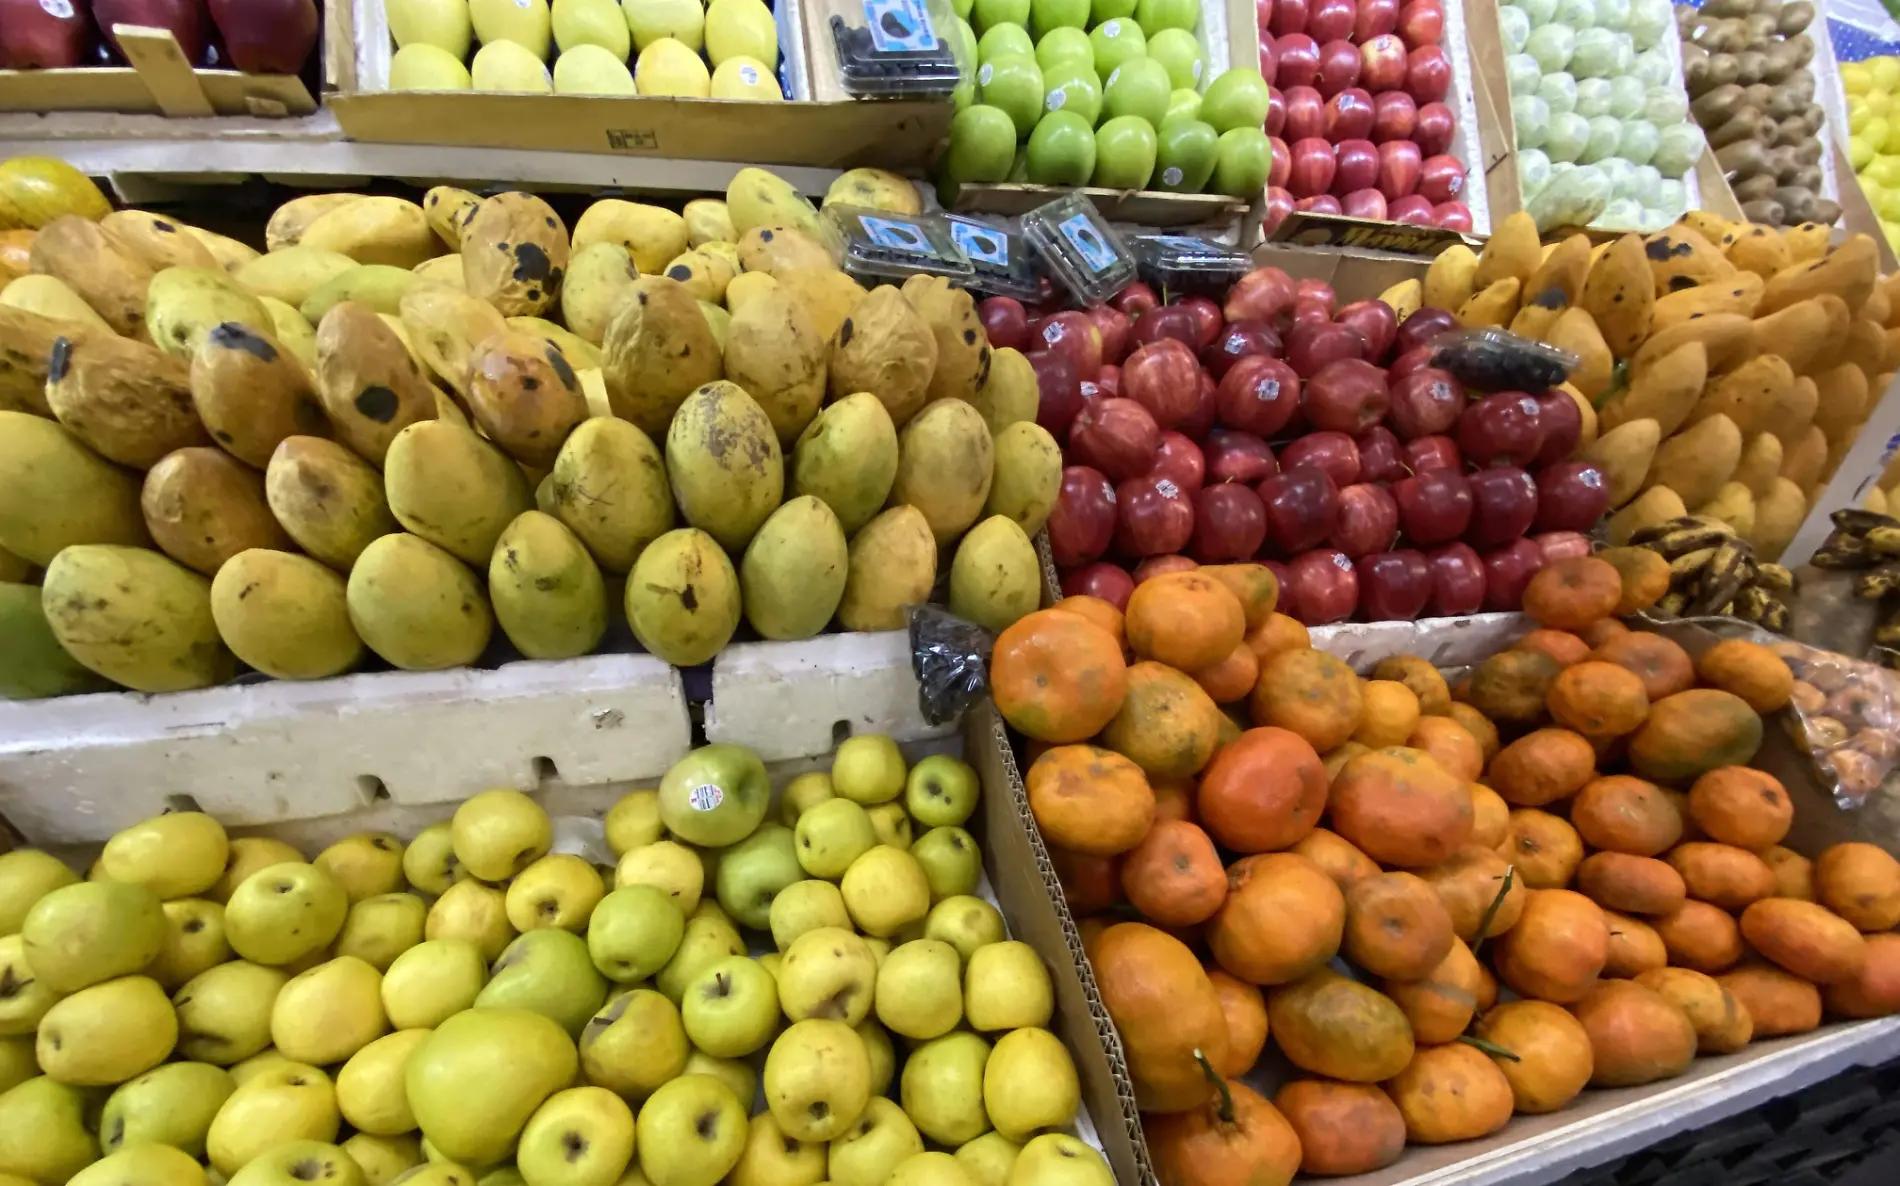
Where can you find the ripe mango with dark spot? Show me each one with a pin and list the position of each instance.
(328, 499)
(884, 347)
(723, 459)
(372, 388)
(658, 349)
(285, 615)
(963, 349)
(609, 487)
(182, 305)
(515, 254)
(135, 617)
(548, 593)
(683, 598)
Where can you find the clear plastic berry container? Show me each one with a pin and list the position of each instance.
(1002, 260)
(878, 246)
(897, 50)
(1079, 249)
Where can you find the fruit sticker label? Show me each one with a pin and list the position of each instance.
(61, 10)
(706, 796)
(982, 245)
(894, 235)
(899, 26)
(1095, 251)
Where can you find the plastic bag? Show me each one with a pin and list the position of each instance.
(1498, 360)
(1844, 715)
(951, 659)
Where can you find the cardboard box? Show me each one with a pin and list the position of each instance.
(159, 81)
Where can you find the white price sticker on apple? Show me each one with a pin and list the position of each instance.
(58, 9)
(706, 796)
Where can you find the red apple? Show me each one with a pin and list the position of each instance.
(1427, 73)
(1302, 506)
(1311, 289)
(1299, 60)
(1289, 16)
(1411, 210)
(1394, 586)
(1339, 67)
(1503, 506)
(1307, 312)
(1162, 377)
(1326, 586)
(1384, 63)
(1441, 178)
(1368, 204)
(1571, 496)
(1368, 520)
(1136, 299)
(1168, 321)
(1058, 389)
(1108, 380)
(1399, 168)
(1422, 22)
(1230, 523)
(1505, 427)
(187, 21)
(1562, 545)
(1280, 167)
(37, 36)
(1507, 571)
(1269, 56)
(1276, 109)
(1408, 362)
(1349, 113)
(1380, 455)
(1457, 581)
(1563, 426)
(1261, 295)
(1236, 456)
(1346, 396)
(1116, 436)
(1452, 216)
(1285, 604)
(1004, 322)
(1258, 394)
(1181, 460)
(1155, 566)
(1422, 328)
(1305, 113)
(1110, 582)
(1429, 453)
(1331, 20)
(1356, 166)
(1072, 334)
(1374, 321)
(1313, 167)
(1154, 516)
(1375, 18)
(1115, 328)
(1237, 340)
(1426, 402)
(1207, 318)
(1434, 128)
(1334, 452)
(1434, 507)
(267, 36)
(1201, 419)
(1313, 345)
(1082, 523)
(1319, 204)
(1394, 115)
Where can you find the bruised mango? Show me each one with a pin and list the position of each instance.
(723, 460)
(945, 462)
(848, 458)
(252, 394)
(1009, 393)
(548, 594)
(182, 305)
(609, 487)
(98, 265)
(515, 254)
(774, 352)
(129, 402)
(995, 577)
(328, 499)
(884, 347)
(658, 349)
(963, 349)
(135, 617)
(417, 606)
(793, 574)
(445, 326)
(203, 507)
(683, 597)
(525, 396)
(449, 486)
(285, 615)
(372, 388)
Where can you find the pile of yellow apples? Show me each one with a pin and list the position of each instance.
(1873, 140)
(475, 1008)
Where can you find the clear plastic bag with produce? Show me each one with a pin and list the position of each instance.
(951, 659)
(1844, 715)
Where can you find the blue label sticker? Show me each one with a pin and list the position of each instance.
(899, 26)
(1095, 251)
(895, 235)
(981, 244)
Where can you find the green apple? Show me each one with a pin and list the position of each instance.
(551, 972)
(384, 1159)
(1155, 15)
(27, 997)
(1184, 155)
(43, 1136)
(664, 865)
(368, 864)
(26, 876)
(982, 145)
(731, 1008)
(1018, 175)
(107, 1033)
(281, 1165)
(1116, 40)
(1108, 10)
(1003, 39)
(284, 1101)
(920, 989)
(1059, 14)
(326, 1014)
(177, 855)
(467, 1111)
(802, 794)
(965, 923)
(715, 795)
(1030, 1083)
(691, 1132)
(805, 906)
(1124, 153)
(942, 790)
(278, 916)
(432, 982)
(773, 1159)
(1139, 87)
(828, 973)
(753, 871)
(1071, 86)
(985, 14)
(1063, 45)
(886, 890)
(1243, 161)
(224, 1013)
(942, 1088)
(869, 768)
(877, 1045)
(635, 1043)
(17, 1063)
(82, 934)
(832, 835)
(1006, 987)
(867, 1153)
(634, 932)
(369, 1088)
(472, 910)
(161, 1165)
(428, 864)
(169, 1105)
(735, 1073)
(1058, 1159)
(707, 940)
(1236, 99)
(817, 1079)
(376, 931)
(582, 1136)
(497, 834)
(1183, 104)
(1180, 51)
(952, 862)
(891, 824)
(1062, 150)
(634, 821)
(989, 1158)
(962, 8)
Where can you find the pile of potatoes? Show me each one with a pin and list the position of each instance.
(1746, 63)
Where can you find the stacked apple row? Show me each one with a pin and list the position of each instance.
(256, 36)
(1358, 118)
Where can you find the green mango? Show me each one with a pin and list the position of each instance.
(793, 573)
(55, 492)
(285, 615)
(995, 577)
(32, 664)
(848, 458)
(548, 593)
(723, 459)
(135, 617)
(683, 597)
(417, 606)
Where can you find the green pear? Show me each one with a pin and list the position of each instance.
(920, 990)
(474, 911)
(433, 981)
(930, 1169)
(169, 1105)
(868, 769)
(580, 1137)
(281, 1103)
(965, 923)
(559, 890)
(24, 997)
(146, 1165)
(706, 940)
(549, 972)
(831, 835)
(368, 865)
(886, 890)
(497, 834)
(989, 1158)
(379, 929)
(771, 1158)
(952, 862)
(635, 1043)
(517, 1057)
(878, 1048)
(177, 855)
(90, 932)
(194, 942)
(753, 871)
(829, 974)
(634, 821)
(1006, 987)
(26, 876)
(296, 1162)
(731, 1008)
(942, 1088)
(715, 795)
(817, 1079)
(1030, 1084)
(384, 1159)
(43, 1135)
(247, 855)
(667, 866)
(802, 794)
(634, 932)
(224, 1012)
(429, 863)
(804, 906)
(692, 1132)
(890, 823)
(17, 1063)
(739, 1075)
(285, 912)
(327, 1014)
(1058, 1159)
(107, 1033)
(874, 1146)
(369, 1089)
(942, 791)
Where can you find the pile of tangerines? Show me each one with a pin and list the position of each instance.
(1574, 820)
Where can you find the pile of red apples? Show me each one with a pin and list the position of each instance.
(1357, 116)
(1319, 440)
